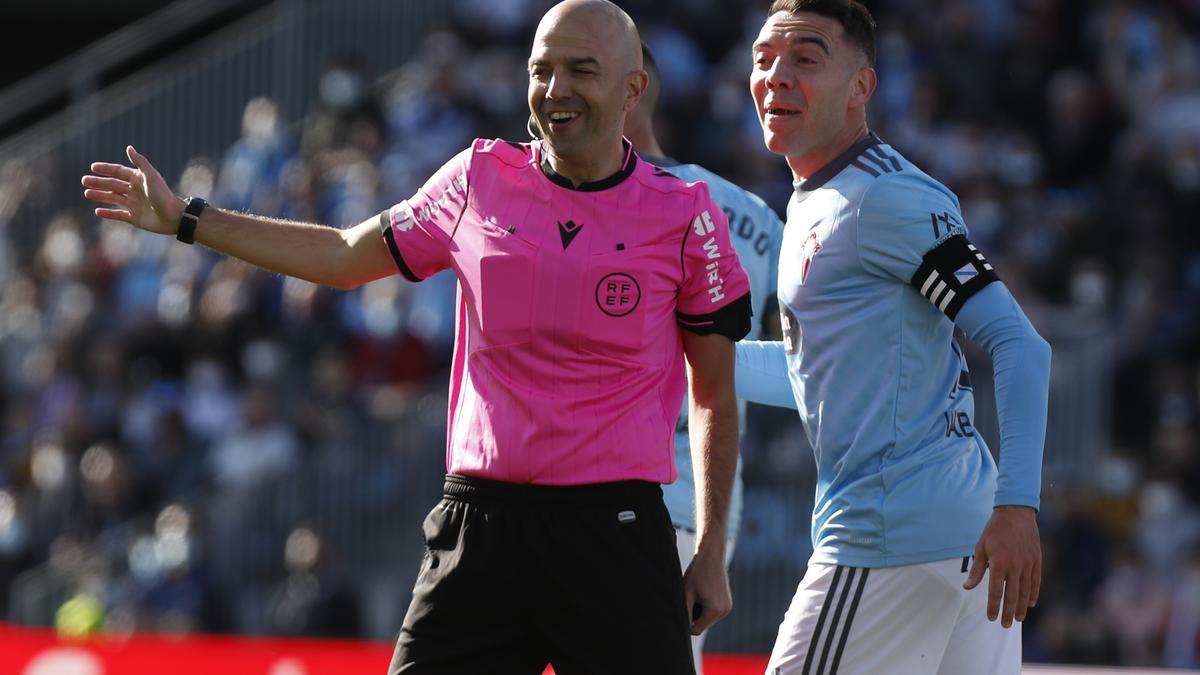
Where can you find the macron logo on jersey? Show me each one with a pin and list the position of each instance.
(567, 232)
(703, 224)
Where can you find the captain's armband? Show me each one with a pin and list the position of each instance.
(952, 272)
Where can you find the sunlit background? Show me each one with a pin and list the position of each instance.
(190, 446)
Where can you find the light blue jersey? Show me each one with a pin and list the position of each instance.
(875, 268)
(756, 233)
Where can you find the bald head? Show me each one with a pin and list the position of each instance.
(614, 28)
(585, 74)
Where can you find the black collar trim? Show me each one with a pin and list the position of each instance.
(624, 172)
(835, 166)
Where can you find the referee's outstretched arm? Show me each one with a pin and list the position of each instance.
(138, 195)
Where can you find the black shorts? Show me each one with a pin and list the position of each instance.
(519, 576)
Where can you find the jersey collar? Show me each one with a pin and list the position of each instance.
(835, 166)
(624, 172)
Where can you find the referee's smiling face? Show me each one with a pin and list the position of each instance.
(580, 83)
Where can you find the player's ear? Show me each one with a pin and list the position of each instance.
(862, 86)
(635, 85)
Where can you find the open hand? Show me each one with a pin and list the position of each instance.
(136, 195)
(1011, 548)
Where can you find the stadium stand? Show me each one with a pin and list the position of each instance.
(135, 372)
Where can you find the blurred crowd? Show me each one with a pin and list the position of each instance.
(184, 439)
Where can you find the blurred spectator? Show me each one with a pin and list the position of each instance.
(314, 600)
(172, 463)
(15, 553)
(252, 173)
(168, 589)
(1182, 649)
(52, 494)
(258, 448)
(1134, 601)
(347, 122)
(209, 400)
(108, 506)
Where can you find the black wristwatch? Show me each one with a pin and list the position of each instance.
(187, 222)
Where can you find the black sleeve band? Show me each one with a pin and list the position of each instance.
(951, 273)
(385, 225)
(732, 320)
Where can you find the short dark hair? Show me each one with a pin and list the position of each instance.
(856, 20)
(654, 86)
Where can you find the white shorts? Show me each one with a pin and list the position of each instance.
(910, 620)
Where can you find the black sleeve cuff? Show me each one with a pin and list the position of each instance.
(732, 320)
(385, 226)
(951, 273)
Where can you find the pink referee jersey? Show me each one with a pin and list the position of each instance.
(568, 364)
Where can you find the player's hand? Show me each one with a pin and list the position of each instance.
(137, 195)
(1012, 549)
(706, 584)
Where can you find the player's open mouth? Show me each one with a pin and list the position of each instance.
(562, 118)
(781, 111)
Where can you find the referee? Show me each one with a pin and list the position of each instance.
(586, 277)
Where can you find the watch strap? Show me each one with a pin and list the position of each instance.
(189, 219)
